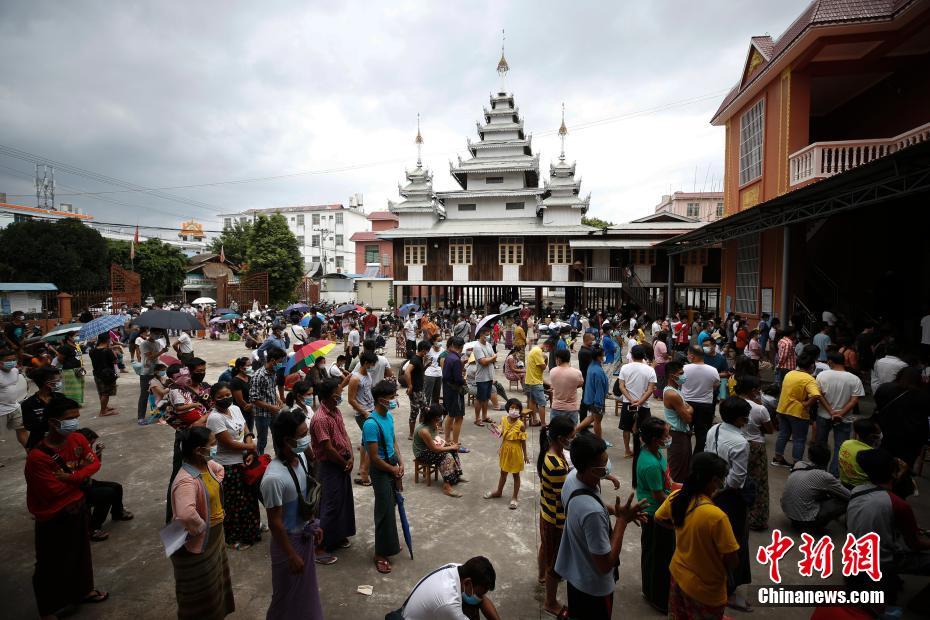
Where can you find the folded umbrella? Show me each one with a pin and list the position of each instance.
(101, 326)
(307, 354)
(404, 523)
(167, 319)
(59, 332)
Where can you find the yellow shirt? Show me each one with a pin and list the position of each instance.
(535, 365)
(700, 545)
(797, 387)
(519, 337)
(216, 502)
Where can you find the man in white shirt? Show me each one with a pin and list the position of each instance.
(886, 369)
(12, 390)
(842, 389)
(184, 347)
(637, 382)
(698, 387)
(355, 339)
(297, 334)
(445, 593)
(410, 335)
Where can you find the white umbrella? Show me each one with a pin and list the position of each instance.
(204, 300)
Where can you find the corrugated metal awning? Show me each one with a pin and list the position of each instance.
(15, 287)
(610, 243)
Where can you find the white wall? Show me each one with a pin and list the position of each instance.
(490, 208)
(561, 216)
(24, 301)
(415, 220)
(512, 180)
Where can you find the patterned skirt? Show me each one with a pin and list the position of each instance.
(450, 468)
(683, 607)
(242, 523)
(72, 386)
(759, 471)
(202, 583)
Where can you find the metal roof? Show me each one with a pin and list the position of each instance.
(491, 227)
(16, 287)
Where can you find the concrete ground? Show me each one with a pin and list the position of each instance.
(131, 565)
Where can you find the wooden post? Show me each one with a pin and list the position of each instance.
(64, 308)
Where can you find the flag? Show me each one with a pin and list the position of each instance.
(222, 254)
(132, 244)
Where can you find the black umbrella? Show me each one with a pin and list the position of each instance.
(167, 319)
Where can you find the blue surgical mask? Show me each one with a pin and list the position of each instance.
(471, 599)
(392, 404)
(9, 364)
(681, 380)
(279, 366)
(302, 444)
(667, 443)
(308, 400)
(339, 400)
(162, 373)
(66, 427)
(213, 450)
(57, 386)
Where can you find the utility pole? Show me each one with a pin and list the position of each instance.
(323, 233)
(45, 187)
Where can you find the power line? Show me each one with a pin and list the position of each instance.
(350, 167)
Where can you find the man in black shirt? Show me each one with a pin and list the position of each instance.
(15, 331)
(48, 380)
(104, 360)
(584, 360)
(414, 376)
(315, 327)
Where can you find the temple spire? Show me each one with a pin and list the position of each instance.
(419, 142)
(563, 131)
(502, 66)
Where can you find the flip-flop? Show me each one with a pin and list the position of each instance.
(326, 560)
(463, 450)
(453, 494)
(125, 516)
(513, 504)
(383, 566)
(360, 482)
(490, 495)
(95, 596)
(555, 615)
(99, 535)
(345, 544)
(477, 423)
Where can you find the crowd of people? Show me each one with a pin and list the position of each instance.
(699, 485)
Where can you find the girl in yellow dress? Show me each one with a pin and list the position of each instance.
(512, 453)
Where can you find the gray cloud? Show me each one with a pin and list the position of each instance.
(172, 93)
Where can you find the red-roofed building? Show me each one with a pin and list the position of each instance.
(827, 168)
(370, 251)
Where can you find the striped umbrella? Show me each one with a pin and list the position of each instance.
(307, 354)
(305, 322)
(100, 326)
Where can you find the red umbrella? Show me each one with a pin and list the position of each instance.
(307, 354)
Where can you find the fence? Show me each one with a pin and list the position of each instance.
(125, 287)
(249, 289)
(308, 290)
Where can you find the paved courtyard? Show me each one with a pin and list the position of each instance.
(131, 565)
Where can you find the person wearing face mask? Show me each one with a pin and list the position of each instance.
(242, 524)
(158, 394)
(69, 356)
(868, 435)
(300, 399)
(239, 386)
(812, 496)
(332, 449)
(653, 486)
(727, 441)
(12, 390)
(705, 547)
(201, 569)
(387, 469)
(455, 592)
(512, 453)
(443, 456)
(295, 531)
(149, 351)
(552, 467)
(263, 394)
(432, 375)
(34, 423)
(361, 401)
(678, 414)
(700, 392)
(758, 425)
(57, 469)
(589, 552)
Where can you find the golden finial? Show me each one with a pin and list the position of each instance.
(419, 142)
(563, 131)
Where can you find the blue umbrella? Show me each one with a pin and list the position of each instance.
(296, 307)
(231, 315)
(405, 525)
(102, 325)
(407, 308)
(305, 322)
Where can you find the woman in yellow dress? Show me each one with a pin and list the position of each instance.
(512, 453)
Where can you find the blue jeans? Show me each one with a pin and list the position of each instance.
(571, 415)
(796, 428)
(841, 432)
(780, 375)
(262, 423)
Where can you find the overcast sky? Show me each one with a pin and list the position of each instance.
(183, 93)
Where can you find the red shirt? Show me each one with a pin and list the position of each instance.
(327, 425)
(46, 495)
(370, 321)
(683, 333)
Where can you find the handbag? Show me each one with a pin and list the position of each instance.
(307, 507)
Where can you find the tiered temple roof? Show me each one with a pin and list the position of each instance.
(418, 193)
(562, 188)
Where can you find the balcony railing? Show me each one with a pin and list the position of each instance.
(603, 274)
(825, 159)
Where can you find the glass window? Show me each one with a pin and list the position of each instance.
(492, 180)
(300, 219)
(243, 219)
(514, 206)
(340, 262)
(414, 251)
(460, 251)
(339, 218)
(695, 257)
(468, 207)
(510, 251)
(338, 241)
(643, 257)
(18, 217)
(315, 241)
(315, 219)
(747, 274)
(227, 222)
(371, 254)
(300, 240)
(694, 209)
(560, 253)
(750, 143)
(719, 209)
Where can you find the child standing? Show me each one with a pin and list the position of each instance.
(512, 453)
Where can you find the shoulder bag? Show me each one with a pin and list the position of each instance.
(307, 507)
(398, 614)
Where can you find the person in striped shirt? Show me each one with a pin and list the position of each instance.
(786, 359)
(552, 467)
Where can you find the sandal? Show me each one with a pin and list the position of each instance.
(99, 535)
(383, 566)
(463, 450)
(490, 495)
(125, 516)
(364, 483)
(513, 504)
(95, 596)
(345, 544)
(326, 560)
(478, 423)
(452, 494)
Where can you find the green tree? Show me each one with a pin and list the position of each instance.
(234, 241)
(273, 249)
(596, 222)
(66, 252)
(161, 267)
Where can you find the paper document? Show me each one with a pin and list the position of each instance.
(173, 537)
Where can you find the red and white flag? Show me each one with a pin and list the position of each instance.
(222, 254)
